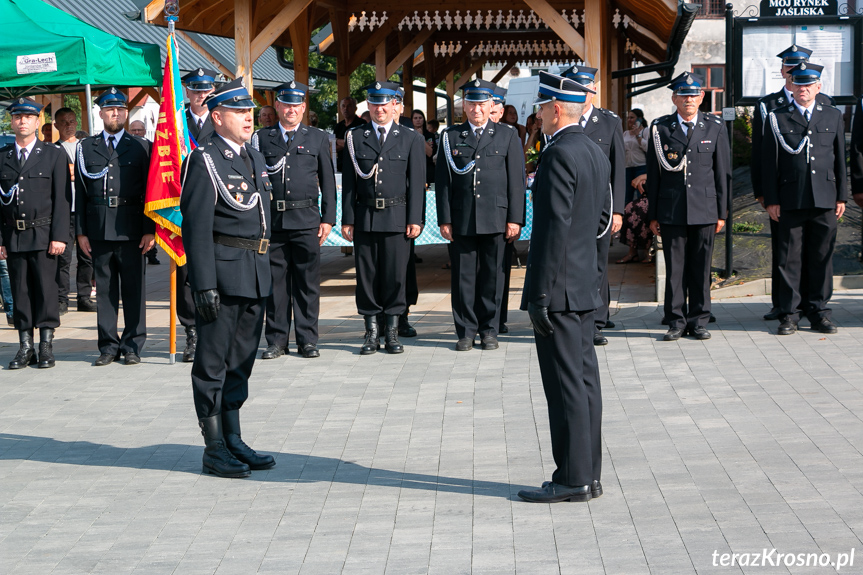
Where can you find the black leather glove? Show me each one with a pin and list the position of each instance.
(539, 317)
(207, 301)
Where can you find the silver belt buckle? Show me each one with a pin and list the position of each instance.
(21, 225)
(113, 201)
(263, 246)
(380, 203)
(280, 206)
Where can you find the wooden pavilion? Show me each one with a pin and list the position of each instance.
(436, 39)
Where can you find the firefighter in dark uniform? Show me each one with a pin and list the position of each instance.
(479, 185)
(688, 174)
(803, 178)
(110, 183)
(499, 99)
(606, 130)
(298, 163)
(226, 229)
(383, 201)
(857, 155)
(34, 228)
(560, 289)
(199, 84)
(790, 57)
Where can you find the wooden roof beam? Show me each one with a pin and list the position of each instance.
(454, 62)
(378, 36)
(510, 64)
(153, 10)
(277, 26)
(210, 58)
(561, 27)
(408, 51)
(475, 68)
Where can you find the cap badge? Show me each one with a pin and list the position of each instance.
(200, 71)
(476, 83)
(293, 84)
(378, 86)
(802, 66)
(113, 90)
(793, 47)
(20, 100)
(689, 80)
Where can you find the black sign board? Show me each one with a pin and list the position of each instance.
(799, 8)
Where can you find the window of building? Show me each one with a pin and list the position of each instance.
(714, 87)
(711, 9)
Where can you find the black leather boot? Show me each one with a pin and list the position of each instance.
(191, 344)
(46, 347)
(236, 445)
(26, 354)
(405, 328)
(217, 459)
(393, 344)
(371, 343)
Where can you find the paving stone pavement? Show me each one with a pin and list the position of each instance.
(403, 464)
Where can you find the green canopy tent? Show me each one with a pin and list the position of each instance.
(45, 50)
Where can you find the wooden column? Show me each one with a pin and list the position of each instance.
(381, 62)
(429, 63)
(339, 20)
(300, 38)
(450, 91)
(243, 40)
(595, 40)
(408, 81)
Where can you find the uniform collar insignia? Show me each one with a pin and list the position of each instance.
(229, 154)
(366, 133)
(673, 124)
(781, 100)
(700, 124)
(818, 107)
(791, 108)
(595, 119)
(464, 134)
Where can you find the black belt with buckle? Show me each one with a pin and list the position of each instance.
(22, 225)
(114, 201)
(261, 246)
(282, 205)
(381, 203)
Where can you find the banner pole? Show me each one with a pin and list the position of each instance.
(172, 326)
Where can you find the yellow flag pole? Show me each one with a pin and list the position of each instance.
(172, 326)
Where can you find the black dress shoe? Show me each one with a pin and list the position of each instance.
(309, 350)
(64, 307)
(272, 352)
(599, 339)
(503, 328)
(595, 488)
(464, 344)
(699, 332)
(105, 359)
(673, 334)
(824, 325)
(609, 325)
(405, 328)
(489, 342)
(132, 358)
(773, 314)
(551, 492)
(86, 304)
(787, 327)
(712, 319)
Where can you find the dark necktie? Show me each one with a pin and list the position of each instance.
(383, 136)
(289, 137)
(244, 155)
(22, 158)
(478, 133)
(200, 123)
(110, 143)
(690, 127)
(808, 115)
